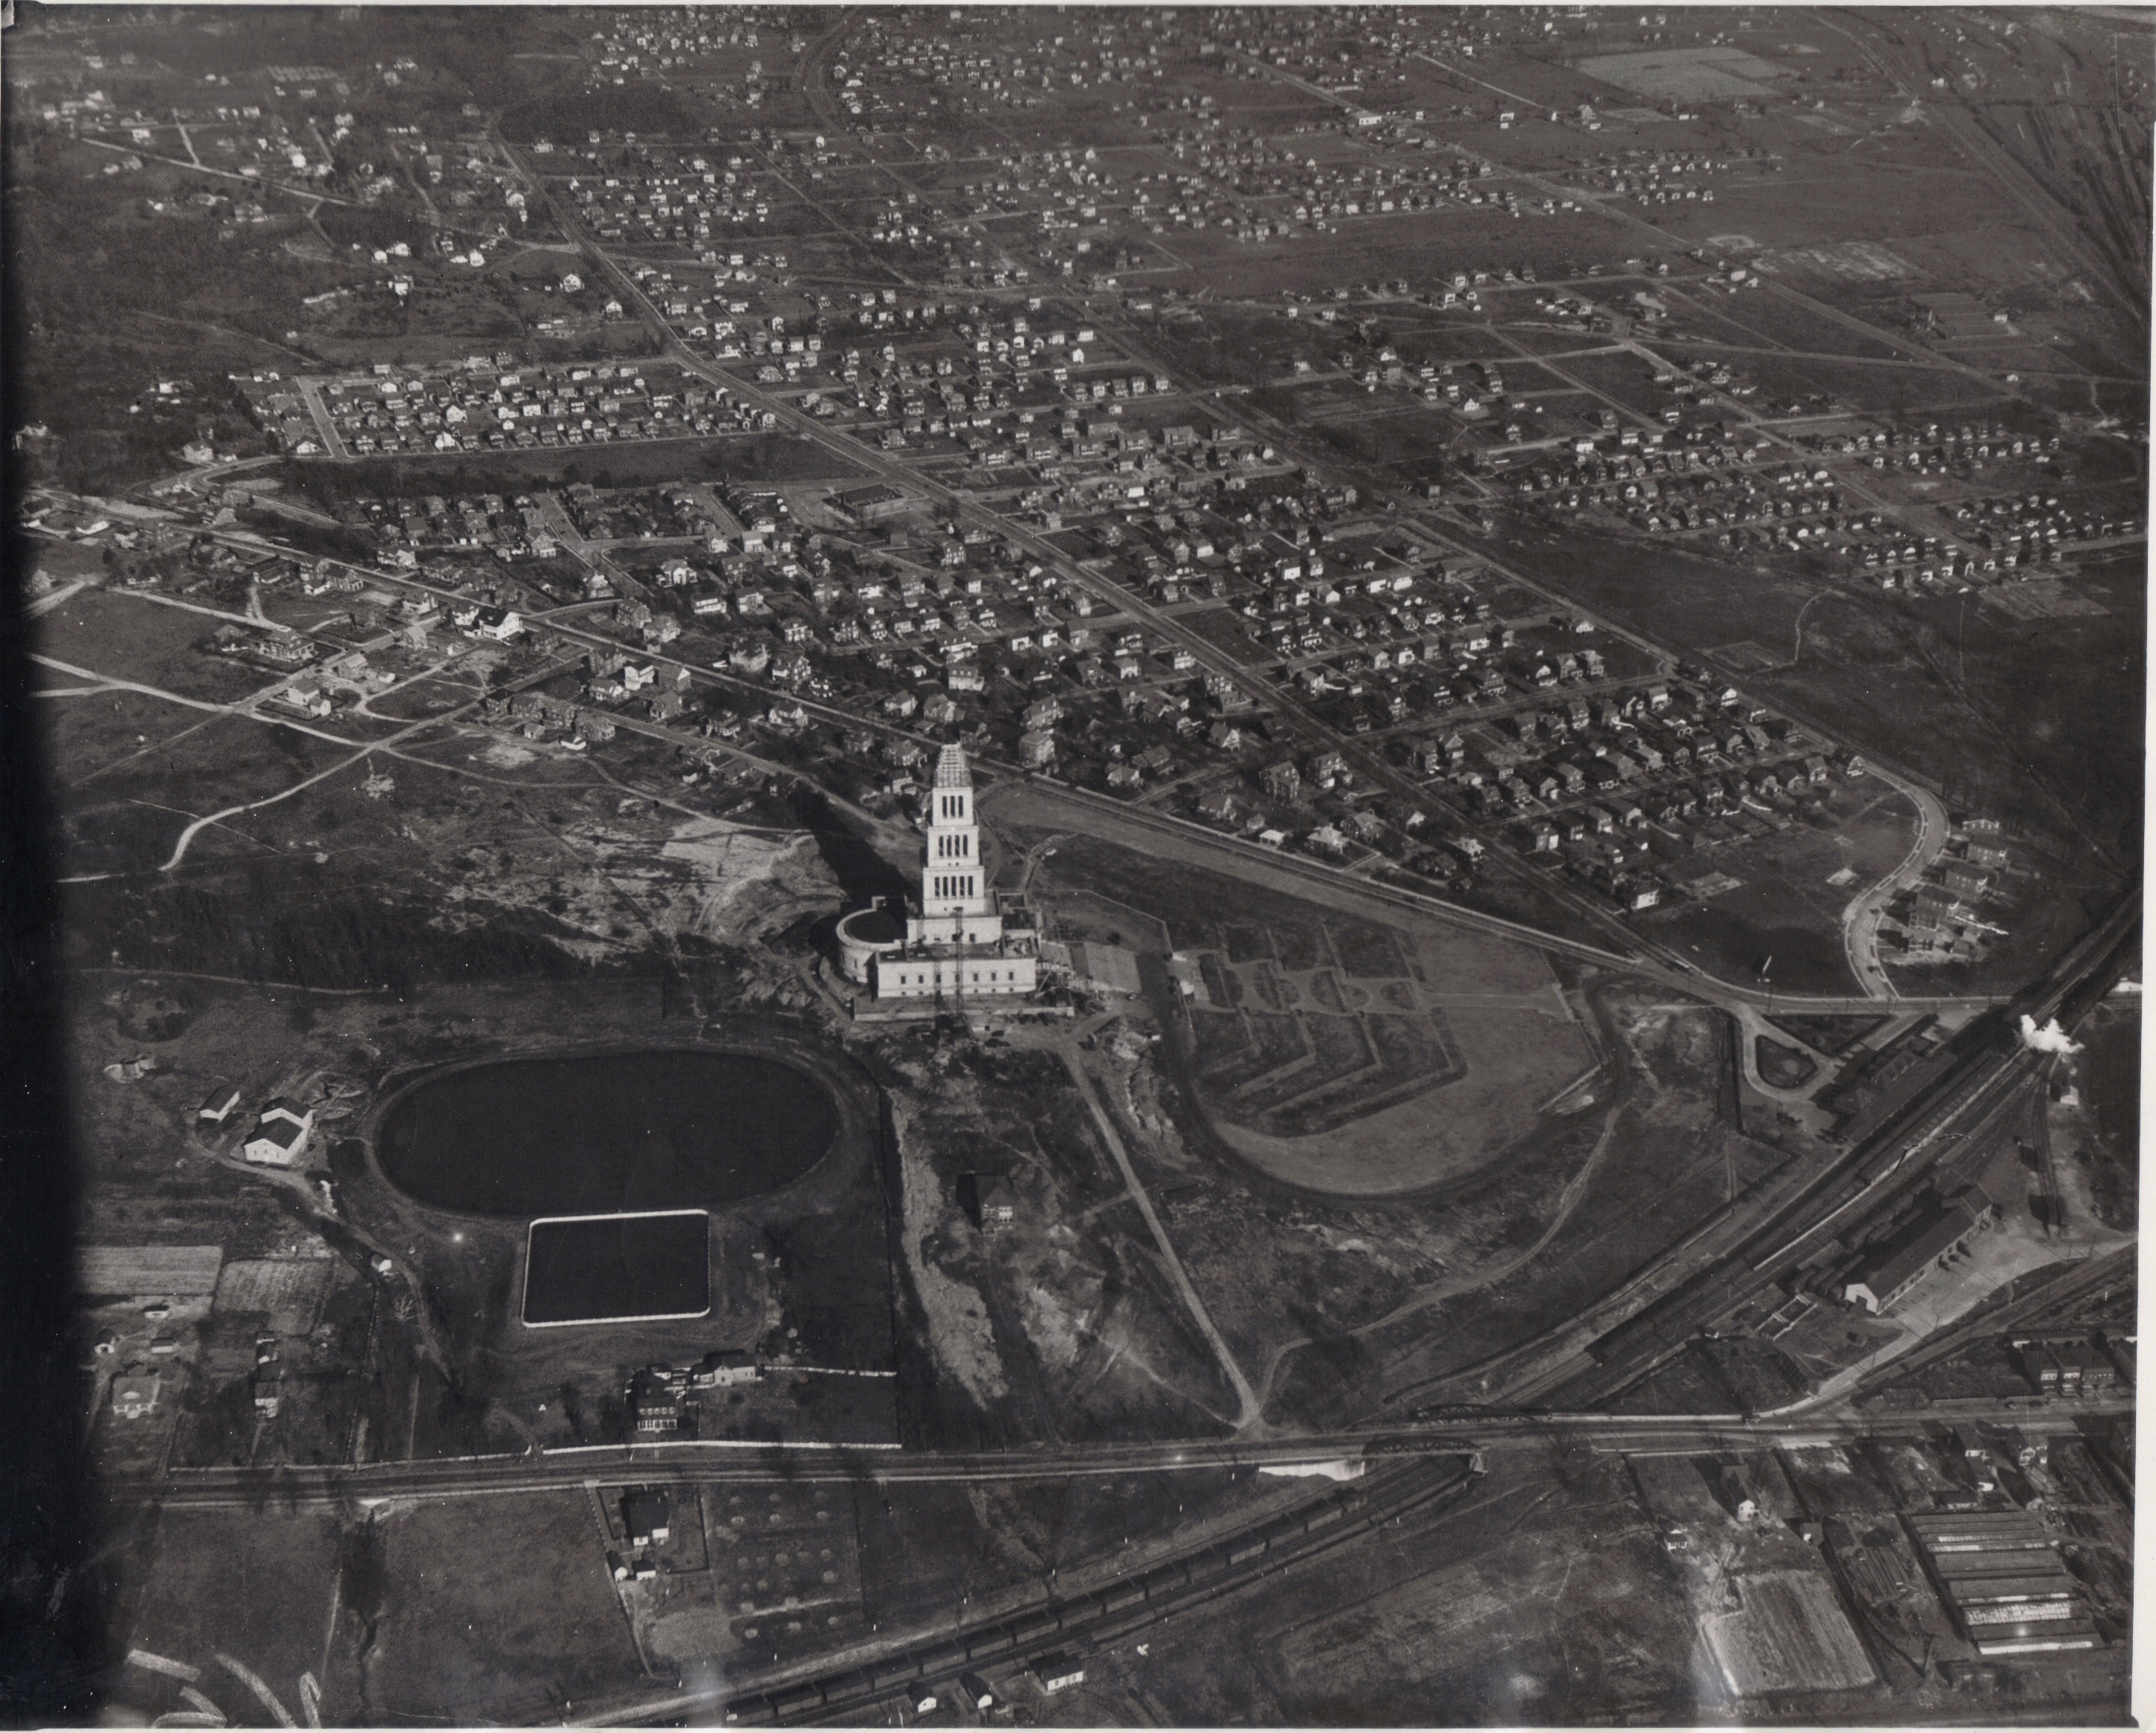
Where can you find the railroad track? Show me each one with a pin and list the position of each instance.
(1112, 1613)
(1956, 1108)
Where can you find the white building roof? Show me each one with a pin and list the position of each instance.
(952, 770)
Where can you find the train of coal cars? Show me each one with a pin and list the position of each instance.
(1187, 1577)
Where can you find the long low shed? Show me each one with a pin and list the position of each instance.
(1978, 1591)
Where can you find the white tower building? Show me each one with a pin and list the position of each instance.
(963, 942)
(955, 906)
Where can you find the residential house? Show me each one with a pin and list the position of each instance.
(995, 1200)
(647, 1516)
(135, 1398)
(723, 1367)
(279, 1136)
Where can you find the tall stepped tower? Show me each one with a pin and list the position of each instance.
(958, 944)
(955, 908)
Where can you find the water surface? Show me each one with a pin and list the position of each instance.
(607, 1132)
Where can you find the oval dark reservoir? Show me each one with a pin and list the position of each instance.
(596, 1133)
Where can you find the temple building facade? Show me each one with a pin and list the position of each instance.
(963, 941)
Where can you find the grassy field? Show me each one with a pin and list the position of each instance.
(1417, 245)
(90, 733)
(1787, 909)
(256, 1585)
(553, 1629)
(129, 817)
(128, 639)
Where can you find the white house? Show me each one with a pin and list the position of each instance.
(279, 1136)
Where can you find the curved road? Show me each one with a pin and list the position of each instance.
(1859, 920)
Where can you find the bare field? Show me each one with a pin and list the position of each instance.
(125, 637)
(1416, 244)
(632, 463)
(1787, 908)
(1767, 1612)
(1789, 1636)
(1647, 1151)
(234, 1583)
(554, 1629)
(1066, 1325)
(1541, 1597)
(90, 733)
(130, 819)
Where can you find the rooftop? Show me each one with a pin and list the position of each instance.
(951, 769)
(1916, 1247)
(874, 926)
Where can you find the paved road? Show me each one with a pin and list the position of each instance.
(224, 174)
(246, 709)
(310, 394)
(1080, 810)
(1676, 973)
(1860, 919)
(1741, 1255)
(1103, 810)
(1662, 656)
(1165, 624)
(1617, 210)
(200, 478)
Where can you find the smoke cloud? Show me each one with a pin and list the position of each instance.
(2049, 1038)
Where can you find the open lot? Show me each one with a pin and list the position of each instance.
(1065, 1324)
(557, 1631)
(1331, 1051)
(1785, 914)
(131, 817)
(638, 463)
(234, 1583)
(1525, 1602)
(2107, 1142)
(1632, 1162)
(126, 637)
